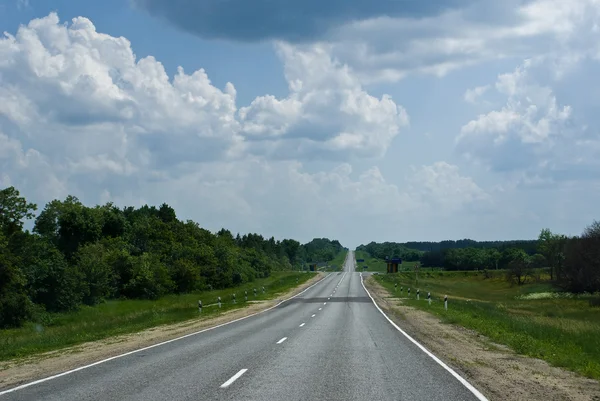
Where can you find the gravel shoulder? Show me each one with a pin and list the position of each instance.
(494, 369)
(23, 370)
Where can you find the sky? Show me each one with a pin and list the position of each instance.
(353, 120)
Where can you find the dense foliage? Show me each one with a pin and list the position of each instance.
(528, 246)
(83, 255)
(391, 250)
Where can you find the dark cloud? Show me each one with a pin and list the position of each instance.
(290, 20)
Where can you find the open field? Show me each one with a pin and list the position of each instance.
(121, 317)
(565, 331)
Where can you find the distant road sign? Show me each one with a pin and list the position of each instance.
(360, 260)
(397, 260)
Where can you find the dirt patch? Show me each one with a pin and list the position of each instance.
(19, 371)
(494, 369)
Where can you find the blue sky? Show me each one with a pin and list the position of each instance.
(359, 121)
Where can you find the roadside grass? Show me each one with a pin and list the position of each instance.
(563, 331)
(337, 264)
(118, 317)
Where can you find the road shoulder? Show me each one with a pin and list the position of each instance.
(497, 371)
(24, 370)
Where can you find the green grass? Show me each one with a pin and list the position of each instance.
(563, 331)
(337, 263)
(128, 316)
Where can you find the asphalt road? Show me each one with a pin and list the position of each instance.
(329, 343)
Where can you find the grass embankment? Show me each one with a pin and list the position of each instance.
(337, 264)
(379, 265)
(565, 331)
(118, 317)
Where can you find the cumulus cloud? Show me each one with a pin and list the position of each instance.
(441, 186)
(327, 111)
(526, 126)
(69, 85)
(293, 21)
(471, 95)
(388, 48)
(534, 137)
(80, 114)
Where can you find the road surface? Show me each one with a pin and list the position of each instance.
(329, 343)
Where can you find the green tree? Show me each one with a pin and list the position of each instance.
(518, 266)
(15, 306)
(581, 270)
(150, 278)
(13, 210)
(551, 246)
(51, 281)
(98, 276)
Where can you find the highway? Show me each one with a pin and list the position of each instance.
(329, 343)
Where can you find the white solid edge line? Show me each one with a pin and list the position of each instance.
(155, 345)
(302, 324)
(465, 383)
(233, 378)
(282, 340)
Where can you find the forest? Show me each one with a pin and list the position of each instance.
(80, 255)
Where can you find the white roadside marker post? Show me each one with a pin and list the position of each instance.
(401, 290)
(446, 302)
(200, 306)
(219, 300)
(255, 293)
(409, 292)
(395, 287)
(418, 294)
(234, 298)
(263, 290)
(429, 298)
(245, 295)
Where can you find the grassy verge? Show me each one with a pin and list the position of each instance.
(337, 263)
(128, 316)
(563, 331)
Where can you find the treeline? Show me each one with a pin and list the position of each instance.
(321, 250)
(391, 250)
(83, 255)
(529, 246)
(573, 263)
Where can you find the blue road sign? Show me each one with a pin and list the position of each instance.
(360, 260)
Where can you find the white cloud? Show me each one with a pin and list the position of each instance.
(79, 114)
(327, 111)
(535, 139)
(523, 128)
(443, 188)
(471, 95)
(67, 85)
(388, 49)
